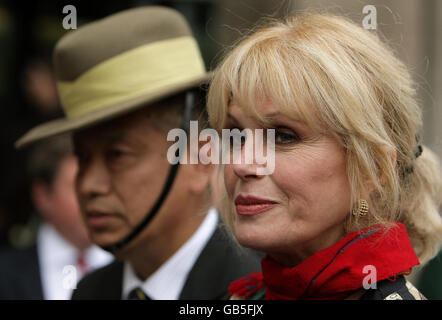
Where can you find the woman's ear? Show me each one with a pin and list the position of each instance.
(370, 186)
(392, 154)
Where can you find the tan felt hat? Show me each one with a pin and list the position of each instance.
(120, 63)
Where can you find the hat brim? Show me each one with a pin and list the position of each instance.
(65, 125)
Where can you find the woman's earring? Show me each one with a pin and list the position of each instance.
(362, 208)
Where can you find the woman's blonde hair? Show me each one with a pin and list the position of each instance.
(336, 76)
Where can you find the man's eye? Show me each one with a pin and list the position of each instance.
(116, 153)
(81, 156)
(286, 136)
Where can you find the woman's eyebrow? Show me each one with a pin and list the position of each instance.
(272, 115)
(277, 115)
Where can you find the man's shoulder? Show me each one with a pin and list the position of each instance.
(12, 258)
(20, 273)
(103, 283)
(236, 260)
(221, 262)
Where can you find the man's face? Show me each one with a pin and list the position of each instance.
(122, 169)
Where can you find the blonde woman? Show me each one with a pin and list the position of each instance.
(350, 207)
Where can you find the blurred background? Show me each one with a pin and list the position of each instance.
(29, 30)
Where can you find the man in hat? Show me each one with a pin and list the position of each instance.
(124, 82)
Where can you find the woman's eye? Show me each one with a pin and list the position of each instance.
(286, 136)
(238, 137)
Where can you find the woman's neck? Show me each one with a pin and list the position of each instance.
(301, 252)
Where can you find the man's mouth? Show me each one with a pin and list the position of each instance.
(99, 219)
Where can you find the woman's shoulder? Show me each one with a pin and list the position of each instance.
(400, 289)
(252, 288)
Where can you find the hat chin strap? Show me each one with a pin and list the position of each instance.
(189, 104)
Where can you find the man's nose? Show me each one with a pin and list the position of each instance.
(93, 178)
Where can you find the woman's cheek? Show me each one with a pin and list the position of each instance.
(229, 179)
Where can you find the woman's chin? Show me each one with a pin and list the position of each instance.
(254, 241)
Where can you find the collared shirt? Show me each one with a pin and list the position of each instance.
(167, 282)
(58, 259)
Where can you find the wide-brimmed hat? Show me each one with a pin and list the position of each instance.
(118, 64)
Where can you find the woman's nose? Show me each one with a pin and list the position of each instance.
(244, 163)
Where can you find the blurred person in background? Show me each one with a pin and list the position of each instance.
(39, 98)
(125, 81)
(40, 271)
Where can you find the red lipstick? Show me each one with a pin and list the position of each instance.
(250, 205)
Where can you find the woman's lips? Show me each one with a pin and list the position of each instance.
(251, 205)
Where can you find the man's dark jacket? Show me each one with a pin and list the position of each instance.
(220, 262)
(20, 274)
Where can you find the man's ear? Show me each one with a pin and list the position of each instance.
(217, 187)
(201, 173)
(202, 176)
(40, 195)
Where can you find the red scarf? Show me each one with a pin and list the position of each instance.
(337, 271)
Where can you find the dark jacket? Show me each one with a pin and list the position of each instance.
(20, 274)
(388, 289)
(400, 289)
(430, 279)
(219, 263)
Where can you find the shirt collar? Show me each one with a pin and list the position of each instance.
(50, 242)
(167, 282)
(55, 253)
